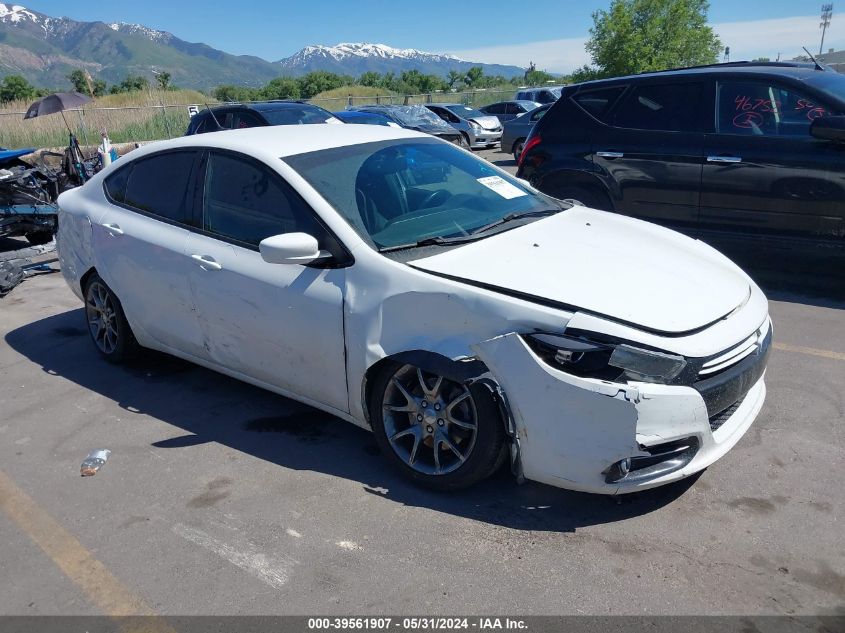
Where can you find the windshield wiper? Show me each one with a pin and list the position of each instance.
(510, 217)
(429, 241)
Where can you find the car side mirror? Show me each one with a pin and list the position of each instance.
(829, 128)
(291, 248)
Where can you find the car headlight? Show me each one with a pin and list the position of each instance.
(475, 127)
(607, 361)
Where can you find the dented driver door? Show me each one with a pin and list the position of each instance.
(280, 324)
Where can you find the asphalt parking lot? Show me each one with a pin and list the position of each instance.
(220, 498)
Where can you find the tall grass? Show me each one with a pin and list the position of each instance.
(144, 116)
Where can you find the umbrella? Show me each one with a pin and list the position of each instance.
(56, 103)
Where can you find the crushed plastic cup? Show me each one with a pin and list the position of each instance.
(94, 461)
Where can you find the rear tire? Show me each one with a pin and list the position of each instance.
(517, 149)
(439, 433)
(107, 323)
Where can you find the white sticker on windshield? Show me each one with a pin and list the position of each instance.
(502, 187)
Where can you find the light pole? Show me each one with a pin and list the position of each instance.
(827, 13)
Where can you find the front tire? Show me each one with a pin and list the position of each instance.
(107, 323)
(437, 432)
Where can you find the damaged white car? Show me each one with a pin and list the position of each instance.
(406, 286)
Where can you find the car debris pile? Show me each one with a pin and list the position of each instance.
(27, 198)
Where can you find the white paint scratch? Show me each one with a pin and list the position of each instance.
(293, 533)
(274, 571)
(349, 545)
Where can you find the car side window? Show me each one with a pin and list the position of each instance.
(599, 103)
(115, 185)
(513, 108)
(161, 185)
(247, 202)
(545, 96)
(245, 119)
(675, 107)
(536, 116)
(496, 108)
(760, 108)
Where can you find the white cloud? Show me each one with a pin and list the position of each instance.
(747, 40)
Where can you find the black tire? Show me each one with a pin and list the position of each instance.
(466, 144)
(36, 238)
(583, 197)
(112, 336)
(484, 453)
(463, 142)
(517, 149)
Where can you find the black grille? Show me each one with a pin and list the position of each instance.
(720, 418)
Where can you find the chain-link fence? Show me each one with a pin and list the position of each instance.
(153, 122)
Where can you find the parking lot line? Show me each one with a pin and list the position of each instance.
(102, 588)
(811, 351)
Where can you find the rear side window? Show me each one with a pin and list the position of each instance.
(160, 186)
(674, 107)
(247, 202)
(598, 103)
(760, 108)
(115, 185)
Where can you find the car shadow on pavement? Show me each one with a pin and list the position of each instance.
(211, 407)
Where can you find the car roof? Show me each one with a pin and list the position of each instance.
(279, 141)
(796, 70)
(266, 106)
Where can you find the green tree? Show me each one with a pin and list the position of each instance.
(454, 77)
(236, 93)
(537, 77)
(635, 36)
(371, 79)
(761, 59)
(130, 83)
(281, 88)
(77, 79)
(15, 88)
(163, 79)
(473, 76)
(319, 81)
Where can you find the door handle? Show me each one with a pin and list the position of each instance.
(206, 262)
(114, 229)
(724, 159)
(610, 155)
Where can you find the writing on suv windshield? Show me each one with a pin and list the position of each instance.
(396, 193)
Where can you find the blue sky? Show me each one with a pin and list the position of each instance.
(551, 33)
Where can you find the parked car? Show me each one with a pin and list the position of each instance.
(741, 148)
(478, 129)
(508, 110)
(243, 115)
(415, 117)
(464, 321)
(364, 118)
(515, 131)
(547, 94)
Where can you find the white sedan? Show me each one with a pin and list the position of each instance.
(415, 290)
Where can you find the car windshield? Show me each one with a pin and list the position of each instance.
(401, 192)
(297, 115)
(465, 112)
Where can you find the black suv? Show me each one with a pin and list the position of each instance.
(237, 115)
(742, 147)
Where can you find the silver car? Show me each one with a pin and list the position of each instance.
(480, 130)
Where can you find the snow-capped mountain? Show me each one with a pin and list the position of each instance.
(356, 58)
(46, 49)
(139, 29)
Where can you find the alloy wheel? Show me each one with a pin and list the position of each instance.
(430, 421)
(102, 317)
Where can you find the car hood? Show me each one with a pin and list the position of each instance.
(487, 122)
(617, 267)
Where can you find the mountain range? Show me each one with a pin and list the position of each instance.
(46, 49)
